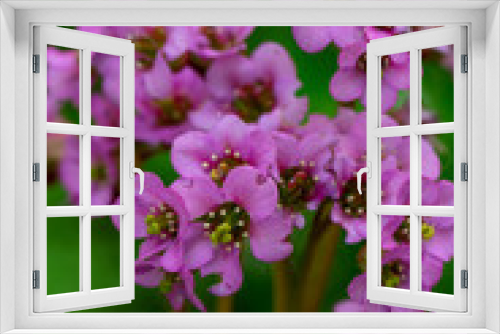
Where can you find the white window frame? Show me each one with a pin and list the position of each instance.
(84, 43)
(16, 21)
(413, 43)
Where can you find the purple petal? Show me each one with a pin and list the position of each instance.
(312, 39)
(349, 56)
(158, 81)
(172, 259)
(198, 252)
(252, 190)
(398, 76)
(346, 36)
(190, 151)
(188, 280)
(200, 195)
(267, 237)
(348, 85)
(227, 264)
(148, 276)
(151, 247)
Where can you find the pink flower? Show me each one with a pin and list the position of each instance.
(258, 89)
(231, 215)
(168, 104)
(229, 144)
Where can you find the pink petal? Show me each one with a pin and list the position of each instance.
(228, 266)
(198, 252)
(398, 76)
(158, 80)
(200, 195)
(251, 189)
(312, 39)
(267, 237)
(348, 85)
(190, 151)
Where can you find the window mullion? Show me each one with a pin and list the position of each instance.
(85, 161)
(414, 170)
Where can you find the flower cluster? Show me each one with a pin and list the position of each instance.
(250, 158)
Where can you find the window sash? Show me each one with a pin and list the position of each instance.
(413, 42)
(85, 43)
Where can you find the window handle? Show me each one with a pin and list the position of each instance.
(134, 170)
(366, 170)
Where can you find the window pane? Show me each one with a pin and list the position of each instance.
(63, 255)
(105, 248)
(395, 241)
(105, 170)
(63, 85)
(63, 170)
(437, 85)
(395, 89)
(395, 171)
(437, 254)
(437, 169)
(105, 89)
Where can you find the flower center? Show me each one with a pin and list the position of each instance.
(218, 38)
(353, 204)
(402, 234)
(99, 173)
(169, 279)
(226, 225)
(253, 100)
(394, 274)
(361, 62)
(172, 111)
(296, 186)
(146, 46)
(218, 167)
(163, 221)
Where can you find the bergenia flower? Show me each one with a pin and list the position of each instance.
(229, 144)
(148, 41)
(174, 276)
(168, 103)
(176, 286)
(258, 89)
(436, 232)
(314, 39)
(349, 82)
(349, 155)
(208, 42)
(233, 215)
(303, 180)
(395, 274)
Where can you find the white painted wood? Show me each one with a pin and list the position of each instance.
(251, 4)
(86, 297)
(418, 129)
(414, 42)
(187, 13)
(94, 130)
(492, 156)
(7, 167)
